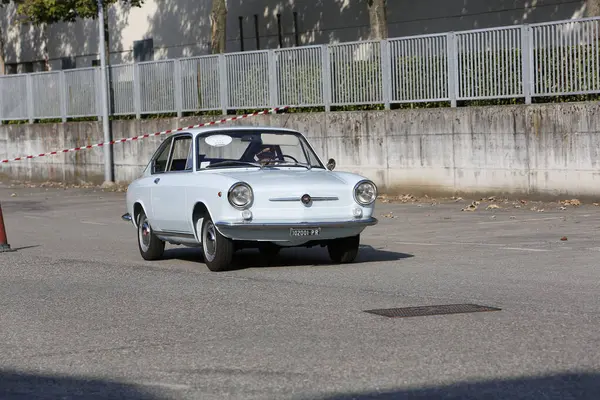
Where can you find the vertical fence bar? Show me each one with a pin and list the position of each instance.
(452, 55)
(62, 91)
(97, 88)
(273, 86)
(177, 87)
(223, 83)
(326, 71)
(386, 65)
(30, 106)
(526, 57)
(532, 55)
(137, 91)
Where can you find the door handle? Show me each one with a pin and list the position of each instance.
(156, 180)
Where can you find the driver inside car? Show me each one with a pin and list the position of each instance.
(264, 153)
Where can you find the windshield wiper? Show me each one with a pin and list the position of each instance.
(307, 166)
(232, 162)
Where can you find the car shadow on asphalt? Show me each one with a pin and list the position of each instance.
(21, 385)
(288, 257)
(557, 386)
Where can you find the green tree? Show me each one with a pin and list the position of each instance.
(40, 12)
(51, 11)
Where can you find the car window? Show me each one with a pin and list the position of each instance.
(254, 146)
(182, 154)
(162, 157)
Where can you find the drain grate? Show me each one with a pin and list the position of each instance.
(431, 310)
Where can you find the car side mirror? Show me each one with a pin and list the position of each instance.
(331, 164)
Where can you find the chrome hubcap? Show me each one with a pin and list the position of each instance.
(209, 241)
(144, 234)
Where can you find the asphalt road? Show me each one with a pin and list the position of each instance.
(83, 316)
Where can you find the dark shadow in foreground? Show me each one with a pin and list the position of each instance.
(19, 385)
(288, 257)
(560, 387)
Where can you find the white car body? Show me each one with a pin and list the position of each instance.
(174, 204)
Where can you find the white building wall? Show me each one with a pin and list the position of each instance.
(181, 28)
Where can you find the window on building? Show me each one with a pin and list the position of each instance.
(68, 63)
(143, 50)
(241, 21)
(256, 32)
(11, 69)
(26, 67)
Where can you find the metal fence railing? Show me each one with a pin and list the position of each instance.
(548, 59)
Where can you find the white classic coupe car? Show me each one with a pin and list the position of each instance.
(224, 189)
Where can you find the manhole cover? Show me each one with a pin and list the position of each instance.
(431, 310)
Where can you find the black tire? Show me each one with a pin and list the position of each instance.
(216, 248)
(151, 247)
(345, 250)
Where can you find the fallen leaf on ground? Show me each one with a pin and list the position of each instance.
(572, 202)
(492, 206)
(564, 238)
(471, 207)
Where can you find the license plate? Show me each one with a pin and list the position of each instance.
(305, 232)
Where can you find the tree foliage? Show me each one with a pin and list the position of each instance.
(52, 11)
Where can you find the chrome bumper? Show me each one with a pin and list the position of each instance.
(287, 225)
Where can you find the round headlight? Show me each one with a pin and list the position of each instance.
(365, 193)
(240, 195)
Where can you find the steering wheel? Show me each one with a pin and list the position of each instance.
(270, 160)
(285, 155)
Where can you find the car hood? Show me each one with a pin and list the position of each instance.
(290, 179)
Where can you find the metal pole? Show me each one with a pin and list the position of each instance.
(108, 161)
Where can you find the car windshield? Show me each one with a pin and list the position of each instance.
(244, 148)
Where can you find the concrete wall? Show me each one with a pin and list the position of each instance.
(549, 149)
(181, 28)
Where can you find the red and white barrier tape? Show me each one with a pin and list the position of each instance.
(222, 121)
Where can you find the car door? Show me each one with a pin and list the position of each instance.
(156, 166)
(169, 189)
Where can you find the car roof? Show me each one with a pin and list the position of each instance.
(216, 128)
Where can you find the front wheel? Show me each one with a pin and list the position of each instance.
(217, 249)
(151, 247)
(344, 250)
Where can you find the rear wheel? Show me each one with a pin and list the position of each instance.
(151, 247)
(344, 250)
(217, 249)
